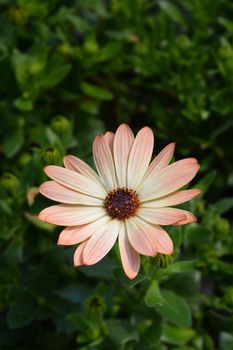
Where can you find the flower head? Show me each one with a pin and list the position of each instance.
(128, 199)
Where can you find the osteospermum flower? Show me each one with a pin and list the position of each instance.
(128, 199)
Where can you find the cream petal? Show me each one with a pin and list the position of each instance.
(141, 236)
(129, 257)
(76, 234)
(172, 199)
(78, 165)
(161, 216)
(168, 179)
(122, 144)
(78, 255)
(109, 138)
(101, 242)
(71, 215)
(59, 193)
(75, 181)
(104, 162)
(161, 160)
(139, 157)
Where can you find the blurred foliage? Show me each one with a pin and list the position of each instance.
(70, 70)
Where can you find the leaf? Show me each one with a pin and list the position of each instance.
(226, 341)
(177, 336)
(96, 92)
(153, 296)
(172, 11)
(13, 142)
(205, 183)
(120, 332)
(20, 314)
(75, 293)
(23, 104)
(181, 267)
(55, 75)
(103, 269)
(223, 205)
(198, 234)
(174, 309)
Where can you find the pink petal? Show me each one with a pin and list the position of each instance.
(59, 193)
(140, 156)
(189, 217)
(76, 234)
(172, 199)
(161, 160)
(78, 255)
(141, 236)
(78, 165)
(70, 215)
(129, 257)
(122, 144)
(164, 242)
(161, 216)
(104, 162)
(109, 138)
(75, 181)
(101, 242)
(168, 179)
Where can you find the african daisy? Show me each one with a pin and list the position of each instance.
(128, 199)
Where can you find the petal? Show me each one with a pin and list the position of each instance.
(161, 216)
(109, 138)
(189, 217)
(168, 179)
(70, 215)
(76, 234)
(122, 144)
(129, 257)
(78, 165)
(75, 181)
(172, 199)
(161, 160)
(78, 255)
(104, 162)
(101, 242)
(59, 193)
(164, 242)
(139, 157)
(141, 236)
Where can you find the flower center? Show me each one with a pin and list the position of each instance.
(121, 203)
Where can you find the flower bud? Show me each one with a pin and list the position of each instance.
(51, 155)
(10, 182)
(60, 125)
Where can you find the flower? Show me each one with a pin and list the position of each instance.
(129, 199)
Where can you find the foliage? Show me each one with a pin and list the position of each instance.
(70, 70)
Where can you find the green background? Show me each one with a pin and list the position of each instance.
(70, 70)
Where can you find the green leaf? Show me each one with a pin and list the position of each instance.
(205, 183)
(55, 75)
(226, 341)
(174, 309)
(96, 92)
(20, 314)
(120, 332)
(224, 205)
(76, 293)
(23, 104)
(153, 296)
(172, 11)
(177, 336)
(198, 234)
(13, 142)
